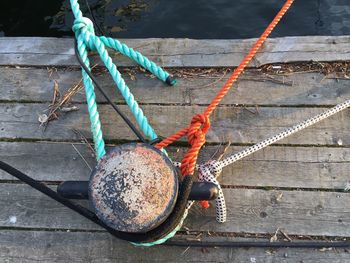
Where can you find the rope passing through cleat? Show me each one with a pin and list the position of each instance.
(86, 39)
(196, 131)
(135, 189)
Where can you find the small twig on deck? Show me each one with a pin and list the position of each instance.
(337, 78)
(257, 109)
(57, 102)
(197, 73)
(216, 151)
(85, 140)
(185, 250)
(256, 112)
(82, 157)
(51, 70)
(224, 151)
(285, 235)
(217, 79)
(270, 78)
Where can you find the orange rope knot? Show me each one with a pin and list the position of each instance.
(199, 126)
(200, 123)
(197, 130)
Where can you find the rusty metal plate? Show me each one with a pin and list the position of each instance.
(133, 188)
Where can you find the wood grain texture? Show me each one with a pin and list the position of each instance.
(235, 124)
(46, 231)
(180, 52)
(249, 210)
(79, 247)
(253, 88)
(292, 167)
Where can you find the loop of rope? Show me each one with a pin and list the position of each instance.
(199, 126)
(208, 172)
(85, 34)
(83, 23)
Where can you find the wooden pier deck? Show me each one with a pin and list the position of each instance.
(296, 188)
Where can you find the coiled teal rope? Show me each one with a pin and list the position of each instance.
(86, 39)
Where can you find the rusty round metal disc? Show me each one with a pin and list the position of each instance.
(133, 188)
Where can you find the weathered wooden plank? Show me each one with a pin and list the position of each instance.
(235, 124)
(296, 167)
(18, 246)
(36, 84)
(180, 52)
(251, 211)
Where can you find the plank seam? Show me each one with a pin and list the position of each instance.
(224, 186)
(184, 233)
(178, 143)
(223, 105)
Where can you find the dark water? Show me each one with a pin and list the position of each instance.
(177, 18)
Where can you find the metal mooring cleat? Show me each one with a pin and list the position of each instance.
(134, 187)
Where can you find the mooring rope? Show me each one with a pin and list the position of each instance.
(195, 132)
(87, 40)
(200, 123)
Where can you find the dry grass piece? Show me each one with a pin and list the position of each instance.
(83, 139)
(57, 102)
(335, 69)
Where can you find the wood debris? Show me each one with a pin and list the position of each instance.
(60, 103)
(333, 69)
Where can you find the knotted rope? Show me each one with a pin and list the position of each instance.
(87, 40)
(200, 123)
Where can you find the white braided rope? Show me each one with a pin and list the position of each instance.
(208, 172)
(298, 127)
(211, 170)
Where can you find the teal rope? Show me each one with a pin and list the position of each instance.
(99, 143)
(137, 57)
(84, 31)
(86, 38)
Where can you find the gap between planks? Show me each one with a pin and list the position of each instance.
(251, 211)
(18, 246)
(275, 166)
(252, 88)
(237, 125)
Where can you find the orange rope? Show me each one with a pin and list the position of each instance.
(200, 123)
